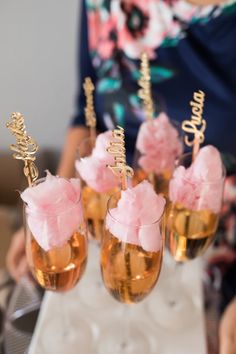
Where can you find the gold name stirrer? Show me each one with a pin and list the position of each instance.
(117, 148)
(89, 110)
(145, 92)
(196, 126)
(25, 147)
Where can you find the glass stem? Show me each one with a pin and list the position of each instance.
(128, 272)
(125, 332)
(175, 283)
(65, 315)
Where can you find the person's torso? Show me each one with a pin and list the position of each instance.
(190, 48)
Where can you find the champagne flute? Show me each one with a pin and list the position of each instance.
(190, 231)
(94, 202)
(190, 228)
(129, 272)
(58, 268)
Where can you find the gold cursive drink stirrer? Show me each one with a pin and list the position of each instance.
(195, 126)
(90, 116)
(145, 92)
(25, 147)
(117, 148)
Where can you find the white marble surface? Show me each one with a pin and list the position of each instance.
(87, 320)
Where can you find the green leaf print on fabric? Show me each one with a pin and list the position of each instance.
(107, 5)
(158, 74)
(228, 9)
(106, 66)
(119, 113)
(135, 75)
(134, 101)
(170, 42)
(108, 85)
(93, 5)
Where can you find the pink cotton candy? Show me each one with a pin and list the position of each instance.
(100, 150)
(134, 220)
(199, 187)
(96, 174)
(159, 143)
(53, 210)
(124, 233)
(93, 169)
(208, 165)
(150, 238)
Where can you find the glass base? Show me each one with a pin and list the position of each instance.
(93, 294)
(123, 338)
(176, 297)
(67, 333)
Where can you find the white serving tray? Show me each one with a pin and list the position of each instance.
(87, 319)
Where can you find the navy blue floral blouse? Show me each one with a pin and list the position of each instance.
(189, 47)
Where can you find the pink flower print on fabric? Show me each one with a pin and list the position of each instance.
(135, 26)
(142, 25)
(94, 25)
(100, 33)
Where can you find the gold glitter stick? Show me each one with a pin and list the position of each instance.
(145, 83)
(117, 148)
(89, 111)
(196, 126)
(25, 147)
